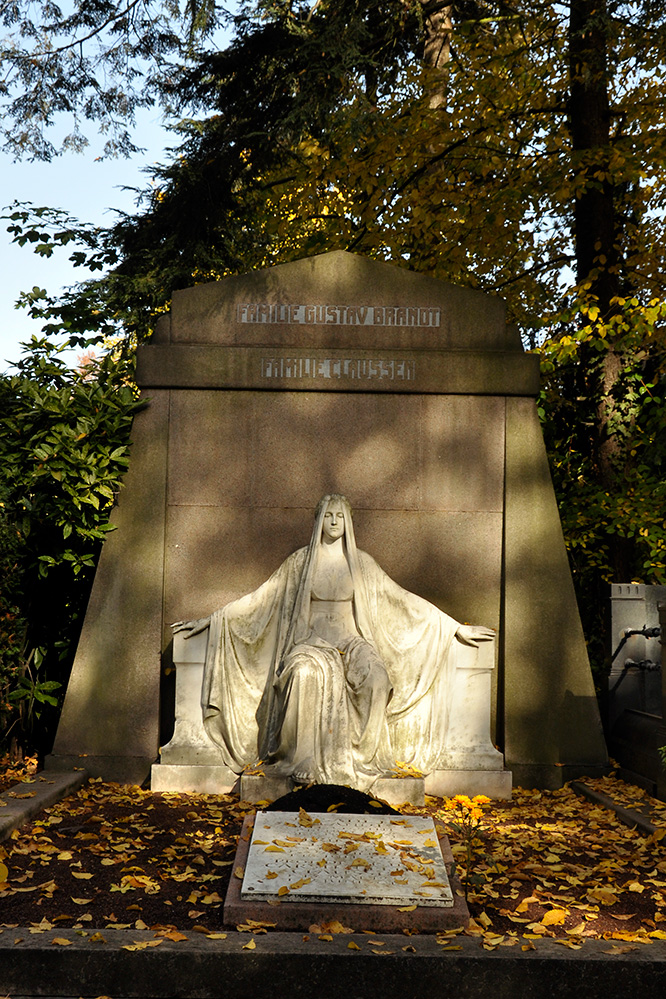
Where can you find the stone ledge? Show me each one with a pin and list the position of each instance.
(44, 790)
(394, 790)
(400, 790)
(193, 779)
(283, 964)
(457, 372)
(119, 769)
(492, 783)
(264, 787)
(628, 816)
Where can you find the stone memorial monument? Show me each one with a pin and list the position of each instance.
(330, 672)
(335, 375)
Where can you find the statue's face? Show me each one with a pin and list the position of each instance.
(334, 521)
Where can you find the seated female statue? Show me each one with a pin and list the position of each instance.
(330, 671)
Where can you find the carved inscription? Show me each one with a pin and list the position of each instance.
(338, 315)
(362, 369)
(372, 859)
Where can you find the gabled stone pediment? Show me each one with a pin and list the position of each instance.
(338, 299)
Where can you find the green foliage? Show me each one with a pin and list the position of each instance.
(63, 450)
(96, 62)
(615, 529)
(320, 128)
(12, 625)
(529, 158)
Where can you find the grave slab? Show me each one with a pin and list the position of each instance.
(385, 906)
(366, 859)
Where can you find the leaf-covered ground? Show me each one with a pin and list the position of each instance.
(547, 864)
(13, 771)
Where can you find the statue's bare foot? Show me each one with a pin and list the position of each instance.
(302, 778)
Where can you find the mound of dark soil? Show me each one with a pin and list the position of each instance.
(331, 798)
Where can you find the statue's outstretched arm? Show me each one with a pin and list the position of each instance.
(190, 628)
(472, 634)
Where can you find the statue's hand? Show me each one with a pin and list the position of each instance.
(190, 628)
(472, 634)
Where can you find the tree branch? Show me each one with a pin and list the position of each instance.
(564, 258)
(96, 31)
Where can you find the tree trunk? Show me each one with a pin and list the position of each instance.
(595, 233)
(437, 42)
(589, 118)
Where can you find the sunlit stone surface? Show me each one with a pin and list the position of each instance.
(377, 859)
(414, 398)
(330, 672)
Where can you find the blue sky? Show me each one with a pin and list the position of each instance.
(86, 189)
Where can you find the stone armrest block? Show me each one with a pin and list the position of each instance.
(190, 744)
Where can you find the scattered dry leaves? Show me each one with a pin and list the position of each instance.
(551, 865)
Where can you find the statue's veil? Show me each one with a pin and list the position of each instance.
(299, 626)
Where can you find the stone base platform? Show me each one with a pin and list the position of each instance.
(210, 779)
(302, 915)
(193, 779)
(495, 784)
(394, 790)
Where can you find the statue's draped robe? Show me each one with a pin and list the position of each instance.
(248, 670)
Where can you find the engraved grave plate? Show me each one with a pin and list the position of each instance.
(374, 859)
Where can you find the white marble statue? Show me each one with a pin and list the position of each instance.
(330, 671)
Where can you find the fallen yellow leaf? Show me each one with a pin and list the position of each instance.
(300, 883)
(304, 819)
(522, 906)
(173, 935)
(604, 895)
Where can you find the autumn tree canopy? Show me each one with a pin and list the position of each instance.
(512, 147)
